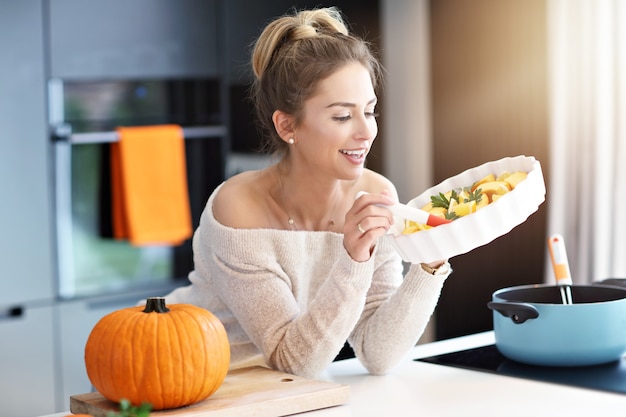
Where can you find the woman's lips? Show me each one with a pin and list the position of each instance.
(355, 155)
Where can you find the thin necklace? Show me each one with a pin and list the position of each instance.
(290, 220)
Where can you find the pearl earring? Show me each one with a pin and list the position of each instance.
(291, 141)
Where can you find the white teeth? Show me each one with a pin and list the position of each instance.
(353, 153)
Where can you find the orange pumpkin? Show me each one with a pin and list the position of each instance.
(168, 357)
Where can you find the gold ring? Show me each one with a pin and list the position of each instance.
(358, 226)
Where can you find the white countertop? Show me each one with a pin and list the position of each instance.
(417, 388)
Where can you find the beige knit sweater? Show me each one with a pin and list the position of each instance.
(290, 299)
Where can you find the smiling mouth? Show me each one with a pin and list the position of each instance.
(354, 154)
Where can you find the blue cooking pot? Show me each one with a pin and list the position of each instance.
(532, 326)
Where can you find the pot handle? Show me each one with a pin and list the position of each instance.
(518, 312)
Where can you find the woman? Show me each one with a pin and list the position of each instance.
(287, 257)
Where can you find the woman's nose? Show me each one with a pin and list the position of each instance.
(366, 129)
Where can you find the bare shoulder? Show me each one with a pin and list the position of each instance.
(373, 182)
(239, 201)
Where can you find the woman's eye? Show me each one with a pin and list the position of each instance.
(349, 116)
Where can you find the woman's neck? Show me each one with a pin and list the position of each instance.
(308, 202)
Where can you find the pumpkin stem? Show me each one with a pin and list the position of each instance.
(156, 305)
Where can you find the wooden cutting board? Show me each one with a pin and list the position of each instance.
(254, 391)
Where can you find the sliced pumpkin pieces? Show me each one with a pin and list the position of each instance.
(494, 187)
(516, 178)
(457, 203)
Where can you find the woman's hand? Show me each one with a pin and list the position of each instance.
(365, 223)
(433, 267)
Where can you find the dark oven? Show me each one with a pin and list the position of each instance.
(83, 115)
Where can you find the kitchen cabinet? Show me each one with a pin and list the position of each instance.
(27, 361)
(133, 39)
(25, 209)
(76, 319)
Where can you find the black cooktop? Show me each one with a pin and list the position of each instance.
(607, 377)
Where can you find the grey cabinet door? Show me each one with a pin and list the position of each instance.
(27, 362)
(77, 319)
(139, 38)
(26, 272)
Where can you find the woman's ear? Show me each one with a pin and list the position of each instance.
(283, 123)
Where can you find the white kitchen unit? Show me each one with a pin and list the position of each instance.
(76, 319)
(28, 362)
(26, 255)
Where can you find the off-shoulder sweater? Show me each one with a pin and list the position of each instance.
(290, 299)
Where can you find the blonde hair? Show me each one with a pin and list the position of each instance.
(292, 54)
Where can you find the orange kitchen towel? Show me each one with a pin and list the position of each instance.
(149, 186)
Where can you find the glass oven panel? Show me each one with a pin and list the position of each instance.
(84, 115)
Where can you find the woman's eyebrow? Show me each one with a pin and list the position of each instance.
(347, 104)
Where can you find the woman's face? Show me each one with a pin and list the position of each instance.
(338, 124)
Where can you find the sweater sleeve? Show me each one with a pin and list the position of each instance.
(292, 339)
(394, 317)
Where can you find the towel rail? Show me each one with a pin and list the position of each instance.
(63, 132)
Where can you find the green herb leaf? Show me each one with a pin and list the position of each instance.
(440, 201)
(454, 196)
(128, 410)
(475, 195)
(450, 215)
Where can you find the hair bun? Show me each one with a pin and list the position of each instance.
(301, 25)
(311, 23)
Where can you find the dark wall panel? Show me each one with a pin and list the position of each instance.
(489, 98)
